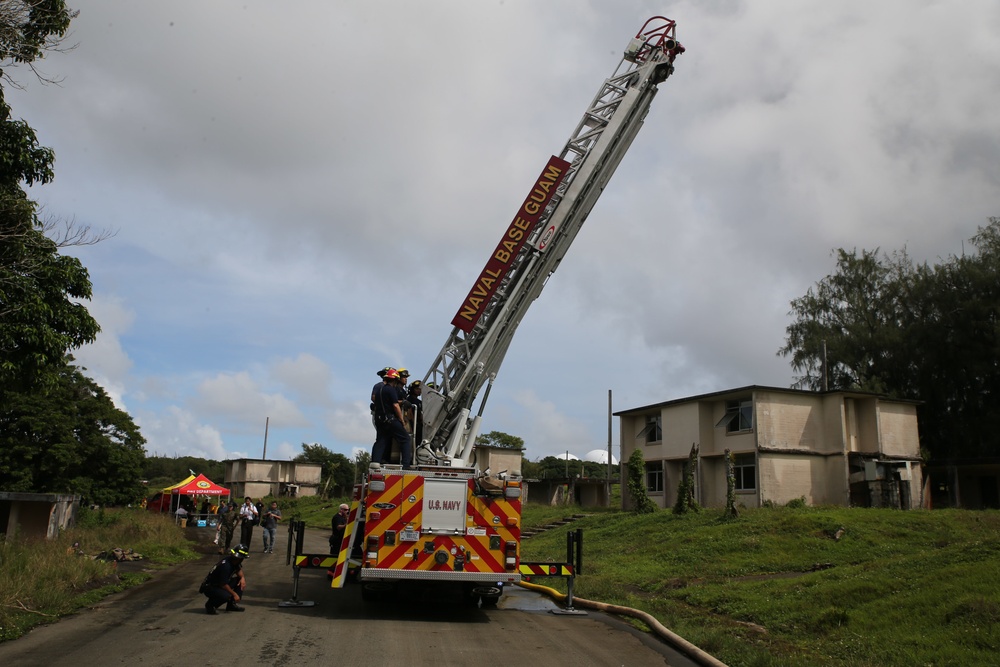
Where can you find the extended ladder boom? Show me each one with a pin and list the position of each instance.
(536, 241)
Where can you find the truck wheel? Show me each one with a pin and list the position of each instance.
(375, 591)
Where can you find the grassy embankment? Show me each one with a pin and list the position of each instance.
(776, 587)
(41, 580)
(773, 587)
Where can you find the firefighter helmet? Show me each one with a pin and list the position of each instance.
(403, 373)
(391, 374)
(240, 551)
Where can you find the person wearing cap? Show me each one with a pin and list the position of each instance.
(227, 526)
(376, 388)
(225, 583)
(338, 524)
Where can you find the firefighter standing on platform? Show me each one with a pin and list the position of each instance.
(389, 426)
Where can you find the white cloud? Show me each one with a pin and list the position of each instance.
(306, 376)
(177, 432)
(238, 397)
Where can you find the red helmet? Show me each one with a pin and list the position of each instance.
(391, 374)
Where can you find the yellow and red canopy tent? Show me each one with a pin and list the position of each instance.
(193, 485)
(198, 486)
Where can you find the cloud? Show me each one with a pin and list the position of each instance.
(306, 376)
(177, 432)
(292, 218)
(105, 359)
(237, 397)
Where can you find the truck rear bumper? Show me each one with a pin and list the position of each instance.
(375, 574)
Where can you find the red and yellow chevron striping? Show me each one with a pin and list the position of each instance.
(546, 569)
(315, 560)
(450, 530)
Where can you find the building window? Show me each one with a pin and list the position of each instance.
(745, 469)
(653, 431)
(654, 476)
(739, 416)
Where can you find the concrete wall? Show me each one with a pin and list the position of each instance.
(785, 477)
(37, 515)
(898, 428)
(259, 477)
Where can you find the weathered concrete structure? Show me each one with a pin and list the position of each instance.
(260, 477)
(37, 515)
(836, 447)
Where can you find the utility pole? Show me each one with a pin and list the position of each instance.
(267, 421)
(607, 492)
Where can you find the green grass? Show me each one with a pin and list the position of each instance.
(41, 580)
(313, 510)
(774, 587)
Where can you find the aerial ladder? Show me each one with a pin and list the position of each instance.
(450, 519)
(535, 243)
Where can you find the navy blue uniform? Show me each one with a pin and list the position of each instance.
(388, 427)
(227, 571)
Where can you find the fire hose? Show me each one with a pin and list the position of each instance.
(672, 638)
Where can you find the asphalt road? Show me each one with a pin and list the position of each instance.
(163, 622)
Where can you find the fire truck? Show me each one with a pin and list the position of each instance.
(455, 516)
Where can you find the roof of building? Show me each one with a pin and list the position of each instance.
(749, 389)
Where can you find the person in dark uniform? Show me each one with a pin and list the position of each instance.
(388, 418)
(416, 410)
(225, 583)
(376, 390)
(338, 524)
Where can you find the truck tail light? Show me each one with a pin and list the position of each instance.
(376, 482)
(510, 555)
(371, 549)
(512, 490)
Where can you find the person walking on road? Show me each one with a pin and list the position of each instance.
(249, 516)
(225, 583)
(269, 522)
(227, 526)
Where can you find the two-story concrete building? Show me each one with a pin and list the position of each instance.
(261, 477)
(836, 447)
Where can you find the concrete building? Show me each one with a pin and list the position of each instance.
(836, 447)
(37, 515)
(259, 477)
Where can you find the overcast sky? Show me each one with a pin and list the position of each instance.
(304, 192)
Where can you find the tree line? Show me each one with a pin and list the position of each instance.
(921, 331)
(59, 431)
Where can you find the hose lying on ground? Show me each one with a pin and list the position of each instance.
(675, 640)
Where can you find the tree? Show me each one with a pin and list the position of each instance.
(955, 338)
(928, 333)
(732, 511)
(362, 459)
(500, 439)
(858, 313)
(174, 469)
(70, 438)
(59, 431)
(337, 476)
(30, 28)
(40, 317)
(636, 484)
(685, 490)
